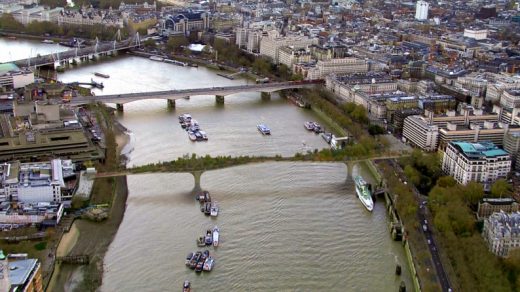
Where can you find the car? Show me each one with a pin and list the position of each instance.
(425, 221)
(424, 227)
(429, 241)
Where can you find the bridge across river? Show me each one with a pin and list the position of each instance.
(172, 95)
(57, 59)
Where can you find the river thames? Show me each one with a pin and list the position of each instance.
(284, 226)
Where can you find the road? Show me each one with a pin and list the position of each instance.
(425, 220)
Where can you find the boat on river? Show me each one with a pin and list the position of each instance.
(184, 117)
(200, 264)
(189, 257)
(101, 75)
(186, 287)
(194, 260)
(209, 237)
(214, 209)
(216, 234)
(156, 58)
(201, 241)
(264, 129)
(208, 264)
(204, 135)
(47, 42)
(192, 136)
(363, 193)
(309, 126)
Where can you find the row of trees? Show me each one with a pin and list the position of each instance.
(8, 23)
(476, 267)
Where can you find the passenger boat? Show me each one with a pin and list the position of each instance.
(209, 238)
(216, 234)
(186, 287)
(47, 42)
(309, 126)
(156, 58)
(263, 129)
(214, 209)
(101, 75)
(208, 264)
(363, 193)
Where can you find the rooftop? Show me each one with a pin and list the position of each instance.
(7, 67)
(479, 150)
(19, 271)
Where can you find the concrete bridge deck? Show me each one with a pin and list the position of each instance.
(100, 48)
(182, 93)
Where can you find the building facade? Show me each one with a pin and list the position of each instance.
(421, 10)
(479, 162)
(502, 233)
(488, 206)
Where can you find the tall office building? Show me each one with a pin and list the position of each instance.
(421, 10)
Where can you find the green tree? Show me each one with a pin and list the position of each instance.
(472, 193)
(446, 181)
(500, 188)
(176, 43)
(150, 43)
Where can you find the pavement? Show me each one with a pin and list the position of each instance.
(426, 220)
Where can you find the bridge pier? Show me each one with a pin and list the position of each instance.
(350, 170)
(219, 99)
(171, 103)
(119, 107)
(196, 176)
(266, 95)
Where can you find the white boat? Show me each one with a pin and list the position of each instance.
(204, 135)
(48, 42)
(363, 193)
(216, 234)
(208, 264)
(264, 129)
(214, 209)
(156, 58)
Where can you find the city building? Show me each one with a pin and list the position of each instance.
(488, 206)
(35, 182)
(512, 146)
(18, 273)
(12, 77)
(16, 214)
(481, 162)
(421, 10)
(502, 232)
(477, 34)
(183, 22)
(270, 45)
(290, 56)
(44, 129)
(418, 131)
